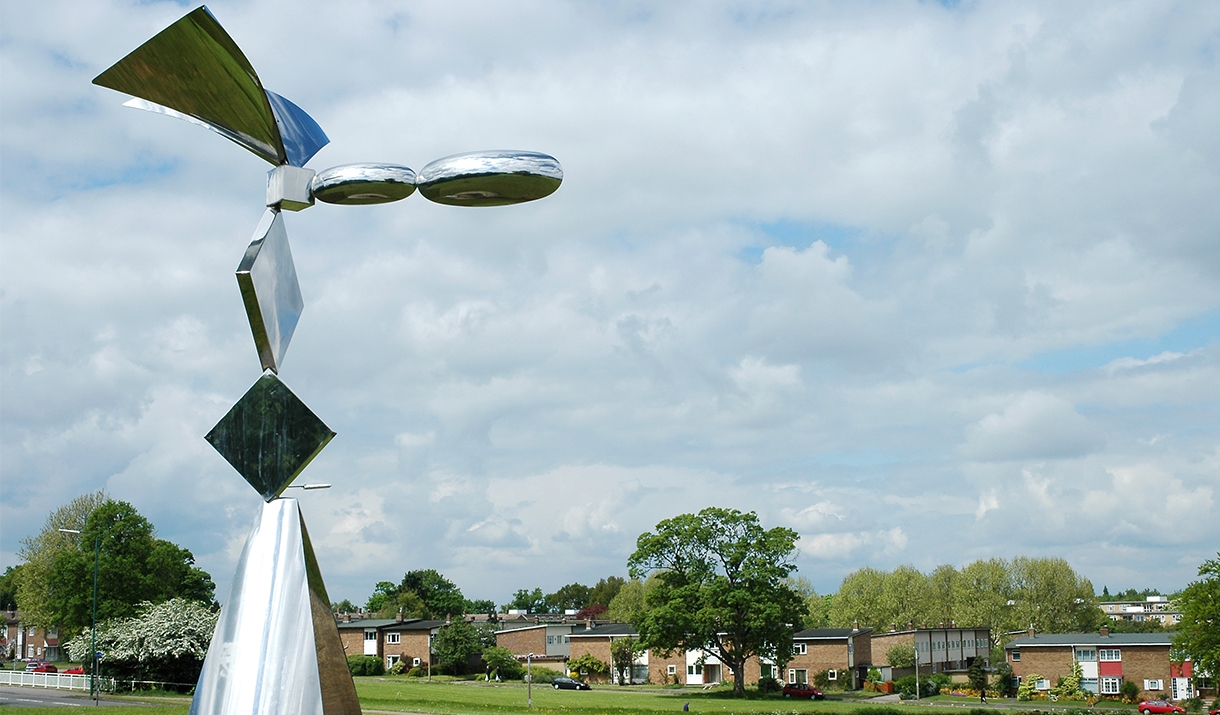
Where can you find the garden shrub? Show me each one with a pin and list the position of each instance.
(398, 668)
(1129, 690)
(1028, 687)
(928, 686)
(769, 685)
(365, 665)
(543, 675)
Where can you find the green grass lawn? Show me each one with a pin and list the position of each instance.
(445, 697)
(412, 695)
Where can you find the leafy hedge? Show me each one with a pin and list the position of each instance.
(365, 665)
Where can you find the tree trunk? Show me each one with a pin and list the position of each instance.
(739, 676)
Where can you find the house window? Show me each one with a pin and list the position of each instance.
(800, 648)
(370, 635)
(672, 669)
(1154, 685)
(1043, 684)
(832, 674)
(550, 640)
(393, 638)
(1016, 655)
(798, 675)
(567, 639)
(415, 662)
(1109, 686)
(1088, 685)
(1108, 654)
(690, 670)
(390, 660)
(1086, 655)
(766, 670)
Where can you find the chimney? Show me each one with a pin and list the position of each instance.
(347, 618)
(1031, 630)
(398, 616)
(855, 626)
(893, 627)
(1105, 631)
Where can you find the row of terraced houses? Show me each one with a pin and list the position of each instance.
(845, 654)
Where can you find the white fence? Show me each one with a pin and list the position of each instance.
(58, 681)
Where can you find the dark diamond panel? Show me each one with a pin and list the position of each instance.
(269, 436)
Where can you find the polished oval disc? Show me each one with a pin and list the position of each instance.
(357, 184)
(490, 178)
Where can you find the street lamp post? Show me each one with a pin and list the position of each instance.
(97, 545)
(529, 682)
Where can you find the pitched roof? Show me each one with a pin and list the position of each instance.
(610, 629)
(367, 623)
(828, 633)
(1090, 639)
(412, 624)
(391, 624)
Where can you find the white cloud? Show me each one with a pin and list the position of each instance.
(891, 275)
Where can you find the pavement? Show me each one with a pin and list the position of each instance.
(19, 697)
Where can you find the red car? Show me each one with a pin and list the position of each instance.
(78, 670)
(40, 666)
(803, 690)
(1158, 707)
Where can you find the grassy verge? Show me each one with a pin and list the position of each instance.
(410, 695)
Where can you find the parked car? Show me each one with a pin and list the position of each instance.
(1158, 707)
(803, 690)
(78, 670)
(562, 683)
(40, 666)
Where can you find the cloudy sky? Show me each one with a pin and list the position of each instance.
(926, 284)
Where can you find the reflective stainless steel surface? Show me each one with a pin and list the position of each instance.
(288, 188)
(268, 281)
(356, 184)
(276, 649)
(193, 67)
(490, 178)
(269, 436)
(301, 134)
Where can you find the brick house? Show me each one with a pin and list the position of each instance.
(390, 639)
(26, 642)
(1106, 661)
(845, 653)
(680, 667)
(939, 650)
(541, 639)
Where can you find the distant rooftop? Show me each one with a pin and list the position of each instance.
(1090, 639)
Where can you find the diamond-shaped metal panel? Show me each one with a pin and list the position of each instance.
(269, 436)
(268, 281)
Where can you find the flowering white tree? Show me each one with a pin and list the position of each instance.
(166, 641)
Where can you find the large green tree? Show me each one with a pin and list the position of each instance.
(528, 601)
(982, 594)
(860, 598)
(1049, 595)
(628, 604)
(455, 646)
(38, 554)
(574, 596)
(8, 587)
(133, 567)
(941, 584)
(906, 597)
(720, 587)
(1199, 631)
(605, 591)
(441, 596)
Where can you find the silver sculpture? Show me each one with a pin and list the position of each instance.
(276, 649)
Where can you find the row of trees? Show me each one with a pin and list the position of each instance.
(53, 584)
(1003, 595)
(594, 600)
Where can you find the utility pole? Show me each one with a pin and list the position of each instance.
(529, 682)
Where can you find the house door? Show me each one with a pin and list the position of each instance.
(370, 641)
(1181, 688)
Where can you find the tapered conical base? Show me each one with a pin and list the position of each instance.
(276, 649)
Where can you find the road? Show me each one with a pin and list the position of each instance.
(44, 697)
